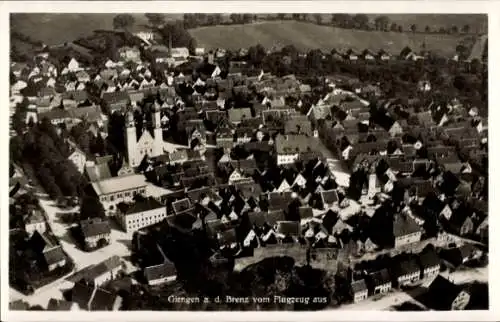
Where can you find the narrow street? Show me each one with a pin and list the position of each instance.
(119, 245)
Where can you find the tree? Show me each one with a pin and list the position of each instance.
(289, 50)
(178, 34)
(360, 21)
(91, 208)
(155, 19)
(413, 28)
(394, 27)
(235, 18)
(427, 29)
(317, 18)
(466, 29)
(247, 18)
(454, 30)
(123, 21)
(382, 23)
(257, 54)
(342, 20)
(296, 16)
(400, 28)
(313, 59)
(281, 16)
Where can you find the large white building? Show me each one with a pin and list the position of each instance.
(113, 191)
(151, 145)
(143, 212)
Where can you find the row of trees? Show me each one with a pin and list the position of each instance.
(44, 151)
(341, 20)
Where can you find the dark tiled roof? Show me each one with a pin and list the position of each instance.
(163, 270)
(54, 255)
(443, 292)
(59, 305)
(305, 212)
(18, 305)
(228, 236)
(98, 172)
(82, 294)
(78, 96)
(274, 216)
(257, 218)
(329, 196)
(358, 286)
(289, 228)
(408, 266)
(429, 259)
(404, 225)
(115, 97)
(181, 205)
(292, 144)
(95, 227)
(380, 277)
(103, 300)
(101, 268)
(238, 114)
(140, 205)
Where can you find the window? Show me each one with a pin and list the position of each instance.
(127, 193)
(111, 198)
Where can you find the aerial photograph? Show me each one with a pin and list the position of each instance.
(248, 162)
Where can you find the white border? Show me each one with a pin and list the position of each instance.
(386, 7)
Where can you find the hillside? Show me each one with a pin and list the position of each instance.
(310, 36)
(59, 28)
(53, 28)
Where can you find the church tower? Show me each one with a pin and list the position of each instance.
(157, 131)
(131, 140)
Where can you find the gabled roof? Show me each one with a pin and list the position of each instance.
(274, 216)
(443, 292)
(359, 286)
(54, 255)
(94, 227)
(380, 277)
(117, 184)
(236, 115)
(163, 270)
(407, 266)
(429, 259)
(257, 218)
(329, 196)
(59, 305)
(404, 225)
(181, 205)
(288, 228)
(140, 205)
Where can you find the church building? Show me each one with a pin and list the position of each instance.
(150, 145)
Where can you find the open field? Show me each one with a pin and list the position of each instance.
(305, 36)
(60, 28)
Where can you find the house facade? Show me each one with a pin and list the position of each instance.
(140, 214)
(114, 190)
(96, 233)
(359, 291)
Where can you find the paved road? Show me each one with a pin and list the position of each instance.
(120, 243)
